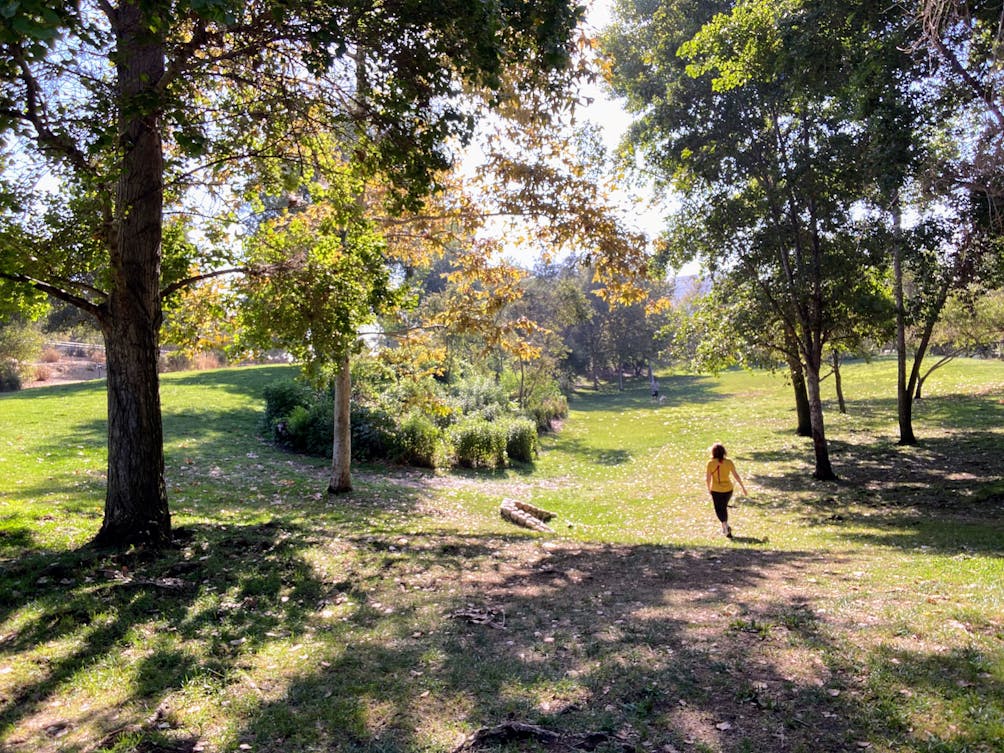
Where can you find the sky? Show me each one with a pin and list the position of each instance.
(640, 211)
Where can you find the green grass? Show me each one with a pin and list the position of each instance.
(867, 611)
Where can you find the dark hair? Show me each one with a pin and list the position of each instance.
(718, 451)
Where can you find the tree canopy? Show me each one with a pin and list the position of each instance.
(115, 114)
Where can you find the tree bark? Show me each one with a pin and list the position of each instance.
(341, 450)
(838, 384)
(802, 410)
(823, 471)
(904, 398)
(136, 510)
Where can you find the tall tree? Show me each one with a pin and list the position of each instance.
(967, 38)
(133, 106)
(938, 129)
(315, 275)
(749, 113)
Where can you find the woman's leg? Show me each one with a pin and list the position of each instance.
(721, 500)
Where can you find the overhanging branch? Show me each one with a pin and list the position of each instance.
(55, 291)
(184, 283)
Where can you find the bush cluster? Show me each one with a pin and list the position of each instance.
(472, 424)
(10, 377)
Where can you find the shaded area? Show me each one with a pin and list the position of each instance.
(693, 653)
(97, 603)
(942, 493)
(248, 380)
(732, 649)
(586, 452)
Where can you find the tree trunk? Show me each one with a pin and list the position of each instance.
(904, 399)
(136, 510)
(802, 410)
(837, 383)
(341, 449)
(522, 385)
(824, 471)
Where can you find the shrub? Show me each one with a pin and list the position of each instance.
(20, 345)
(413, 432)
(481, 396)
(547, 410)
(418, 441)
(43, 373)
(179, 360)
(298, 417)
(308, 428)
(302, 418)
(10, 378)
(281, 398)
(50, 355)
(372, 432)
(521, 440)
(479, 443)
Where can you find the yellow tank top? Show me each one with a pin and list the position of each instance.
(721, 474)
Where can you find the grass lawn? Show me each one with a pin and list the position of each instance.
(862, 615)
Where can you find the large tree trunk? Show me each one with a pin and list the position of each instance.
(802, 411)
(136, 510)
(341, 449)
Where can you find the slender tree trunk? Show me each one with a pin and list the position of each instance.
(522, 384)
(904, 399)
(341, 450)
(837, 383)
(136, 510)
(802, 410)
(823, 471)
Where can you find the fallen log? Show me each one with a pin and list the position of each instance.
(538, 512)
(514, 513)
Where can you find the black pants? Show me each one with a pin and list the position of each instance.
(722, 505)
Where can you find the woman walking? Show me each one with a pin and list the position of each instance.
(718, 478)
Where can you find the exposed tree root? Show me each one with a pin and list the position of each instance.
(512, 731)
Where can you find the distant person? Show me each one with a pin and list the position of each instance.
(718, 478)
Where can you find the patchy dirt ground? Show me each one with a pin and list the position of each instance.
(66, 370)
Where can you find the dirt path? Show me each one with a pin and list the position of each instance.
(65, 371)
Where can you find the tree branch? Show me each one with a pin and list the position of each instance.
(179, 284)
(55, 291)
(34, 113)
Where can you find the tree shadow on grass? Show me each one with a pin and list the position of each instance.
(586, 453)
(198, 609)
(249, 380)
(15, 537)
(650, 647)
(939, 494)
(409, 641)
